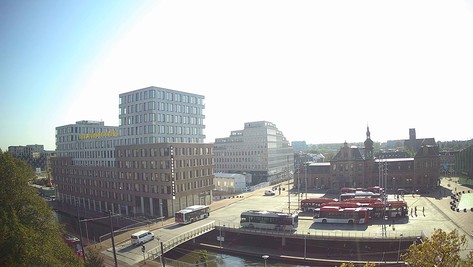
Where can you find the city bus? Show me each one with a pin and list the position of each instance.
(273, 220)
(192, 214)
(74, 243)
(310, 204)
(332, 214)
(397, 209)
(378, 209)
(375, 189)
(342, 204)
(359, 194)
(344, 190)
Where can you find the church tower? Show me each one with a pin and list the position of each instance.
(368, 144)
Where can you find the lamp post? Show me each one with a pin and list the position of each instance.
(288, 185)
(113, 240)
(298, 184)
(265, 257)
(80, 231)
(220, 238)
(399, 248)
(305, 245)
(305, 170)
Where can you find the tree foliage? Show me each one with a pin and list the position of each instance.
(441, 249)
(29, 233)
(93, 258)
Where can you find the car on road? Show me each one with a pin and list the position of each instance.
(269, 193)
(141, 237)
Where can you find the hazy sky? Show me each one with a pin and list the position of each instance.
(320, 70)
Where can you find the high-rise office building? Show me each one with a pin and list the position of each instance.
(157, 115)
(153, 164)
(259, 149)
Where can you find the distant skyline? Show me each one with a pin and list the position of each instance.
(320, 70)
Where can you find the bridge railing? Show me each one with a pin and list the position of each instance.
(177, 240)
(329, 234)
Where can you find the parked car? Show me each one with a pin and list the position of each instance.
(269, 193)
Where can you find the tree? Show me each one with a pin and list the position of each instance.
(29, 233)
(93, 258)
(441, 249)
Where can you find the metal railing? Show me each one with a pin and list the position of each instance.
(166, 246)
(323, 234)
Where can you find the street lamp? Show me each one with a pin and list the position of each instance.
(399, 248)
(265, 257)
(113, 239)
(220, 238)
(305, 245)
(80, 231)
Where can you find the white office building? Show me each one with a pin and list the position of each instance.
(87, 143)
(259, 149)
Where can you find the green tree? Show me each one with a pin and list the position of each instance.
(29, 233)
(441, 249)
(93, 258)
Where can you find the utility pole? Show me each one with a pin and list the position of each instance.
(113, 240)
(80, 231)
(288, 185)
(305, 169)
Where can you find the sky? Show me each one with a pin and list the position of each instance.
(322, 71)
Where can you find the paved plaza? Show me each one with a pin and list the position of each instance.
(429, 212)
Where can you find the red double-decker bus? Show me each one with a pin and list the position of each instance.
(310, 204)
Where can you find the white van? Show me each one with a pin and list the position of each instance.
(141, 237)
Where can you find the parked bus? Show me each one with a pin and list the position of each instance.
(331, 214)
(397, 209)
(192, 214)
(272, 220)
(74, 243)
(363, 200)
(310, 204)
(378, 209)
(375, 189)
(359, 194)
(342, 204)
(345, 190)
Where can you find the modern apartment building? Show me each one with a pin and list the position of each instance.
(34, 155)
(259, 149)
(88, 143)
(153, 164)
(156, 115)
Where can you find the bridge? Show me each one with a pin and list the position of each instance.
(168, 245)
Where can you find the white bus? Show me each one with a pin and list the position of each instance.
(192, 214)
(273, 220)
(141, 237)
